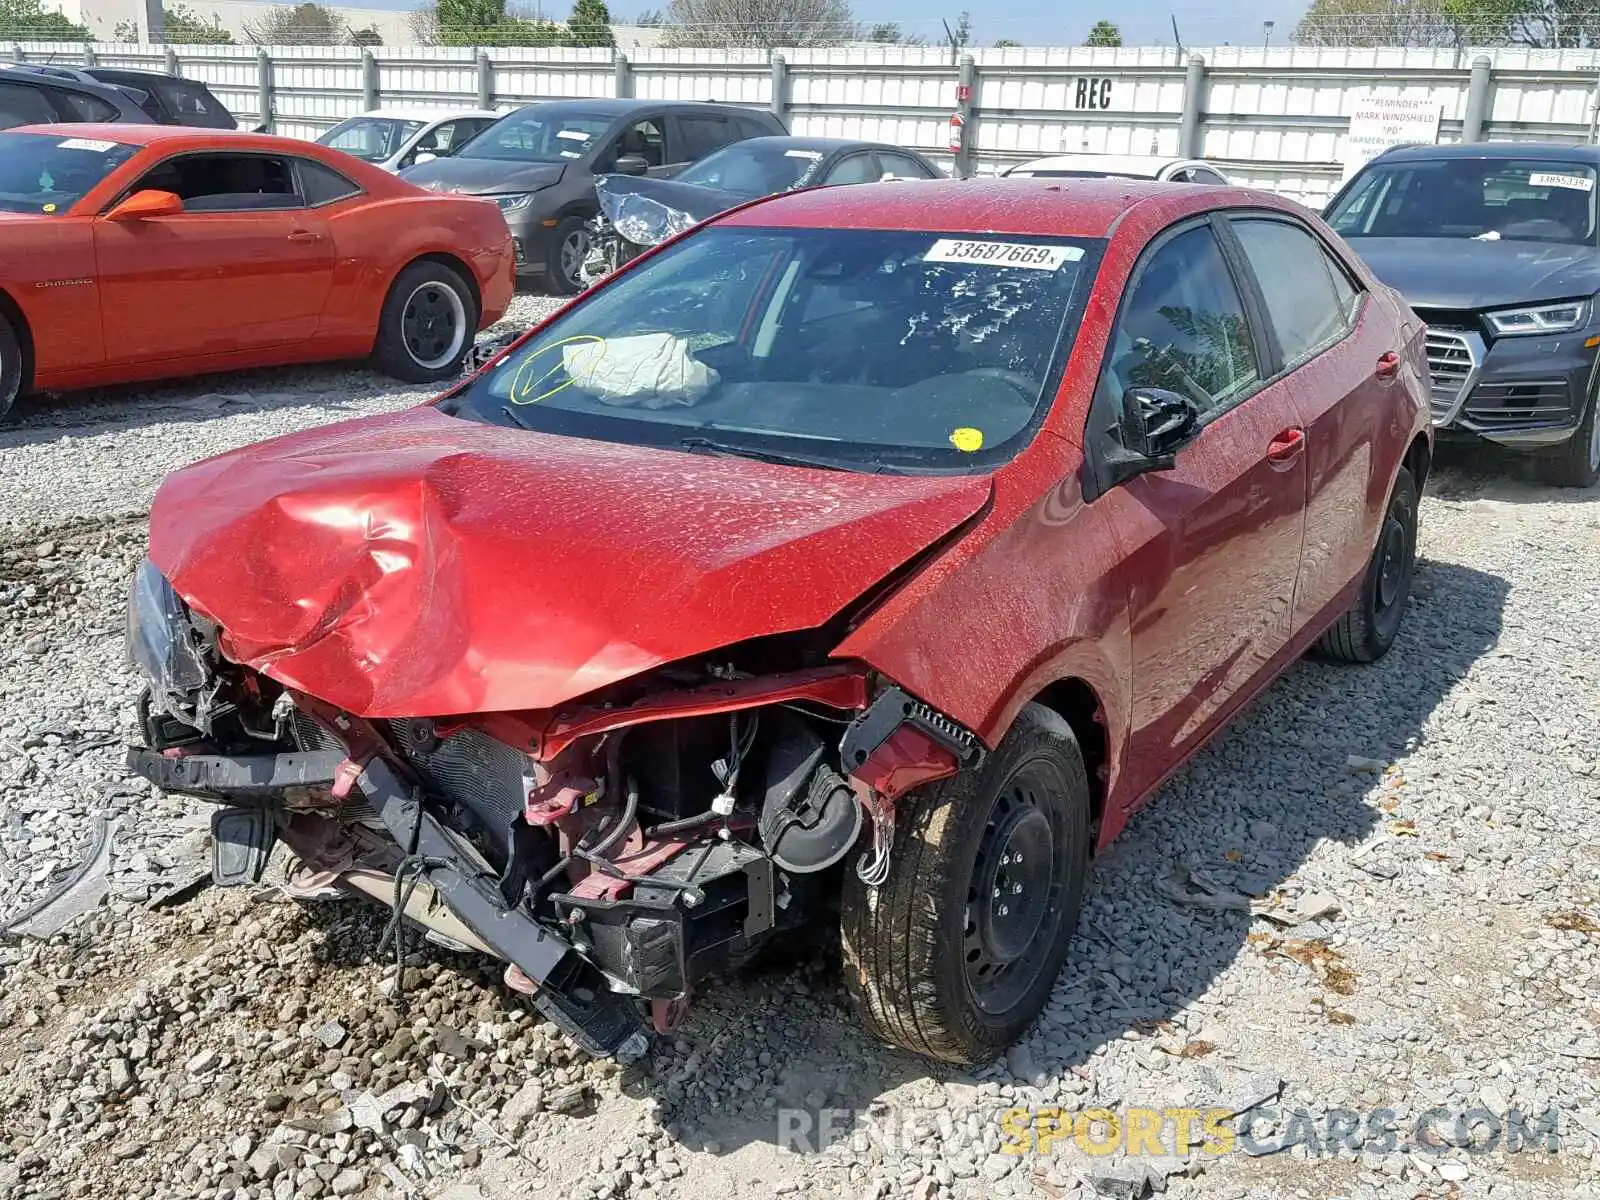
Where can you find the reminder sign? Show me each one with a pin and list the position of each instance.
(1378, 122)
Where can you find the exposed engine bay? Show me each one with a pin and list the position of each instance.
(616, 852)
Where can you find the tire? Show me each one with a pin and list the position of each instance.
(563, 277)
(1577, 463)
(412, 344)
(10, 367)
(1365, 633)
(915, 949)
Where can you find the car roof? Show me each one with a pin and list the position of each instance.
(420, 112)
(48, 79)
(98, 72)
(1082, 208)
(1143, 165)
(1550, 150)
(129, 133)
(826, 145)
(620, 107)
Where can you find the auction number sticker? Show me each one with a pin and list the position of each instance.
(86, 144)
(1003, 254)
(1576, 183)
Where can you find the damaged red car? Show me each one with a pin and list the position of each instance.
(859, 556)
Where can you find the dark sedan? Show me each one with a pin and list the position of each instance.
(1496, 246)
(539, 165)
(636, 213)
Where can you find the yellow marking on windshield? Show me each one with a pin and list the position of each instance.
(967, 440)
(524, 384)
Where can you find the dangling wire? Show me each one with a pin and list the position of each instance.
(872, 868)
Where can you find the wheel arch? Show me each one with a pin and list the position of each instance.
(1419, 459)
(12, 312)
(1076, 702)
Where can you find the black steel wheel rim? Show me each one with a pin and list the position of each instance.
(1391, 563)
(430, 322)
(1015, 893)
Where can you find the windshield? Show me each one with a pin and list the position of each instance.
(754, 169)
(851, 348)
(1534, 200)
(371, 138)
(41, 173)
(535, 134)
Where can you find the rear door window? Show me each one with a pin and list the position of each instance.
(24, 106)
(699, 134)
(1303, 303)
(80, 106)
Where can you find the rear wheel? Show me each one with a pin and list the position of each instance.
(1577, 463)
(10, 367)
(955, 955)
(1365, 633)
(427, 324)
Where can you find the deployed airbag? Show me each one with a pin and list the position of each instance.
(652, 370)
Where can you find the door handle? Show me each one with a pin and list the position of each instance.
(304, 235)
(1287, 446)
(1388, 365)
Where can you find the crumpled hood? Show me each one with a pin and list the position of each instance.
(482, 176)
(417, 564)
(1463, 273)
(646, 211)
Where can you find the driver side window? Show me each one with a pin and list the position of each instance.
(1183, 328)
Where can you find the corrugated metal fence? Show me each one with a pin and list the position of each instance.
(1272, 117)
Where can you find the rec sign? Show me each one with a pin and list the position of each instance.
(1092, 93)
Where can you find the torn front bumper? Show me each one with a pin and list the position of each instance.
(568, 989)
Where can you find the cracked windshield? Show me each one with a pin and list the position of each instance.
(848, 348)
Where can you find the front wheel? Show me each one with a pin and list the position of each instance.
(1577, 463)
(427, 324)
(10, 367)
(955, 954)
(1365, 633)
(569, 248)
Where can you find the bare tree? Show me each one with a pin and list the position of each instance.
(767, 24)
(298, 25)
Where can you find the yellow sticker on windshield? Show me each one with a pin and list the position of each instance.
(967, 440)
(49, 208)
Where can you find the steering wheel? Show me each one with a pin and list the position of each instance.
(1026, 388)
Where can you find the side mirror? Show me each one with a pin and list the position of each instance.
(421, 157)
(145, 204)
(631, 164)
(1155, 425)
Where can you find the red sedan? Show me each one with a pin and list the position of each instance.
(132, 252)
(861, 551)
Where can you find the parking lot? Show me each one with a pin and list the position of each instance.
(1420, 832)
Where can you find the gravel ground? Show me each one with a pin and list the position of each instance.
(1419, 830)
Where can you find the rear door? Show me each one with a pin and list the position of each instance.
(1212, 546)
(245, 267)
(1332, 345)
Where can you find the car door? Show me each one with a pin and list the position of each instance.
(246, 266)
(642, 137)
(1212, 545)
(1343, 371)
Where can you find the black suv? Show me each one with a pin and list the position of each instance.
(164, 99)
(539, 164)
(1497, 247)
(33, 98)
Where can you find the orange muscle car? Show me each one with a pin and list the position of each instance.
(133, 252)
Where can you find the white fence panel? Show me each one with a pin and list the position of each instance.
(521, 76)
(434, 76)
(729, 76)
